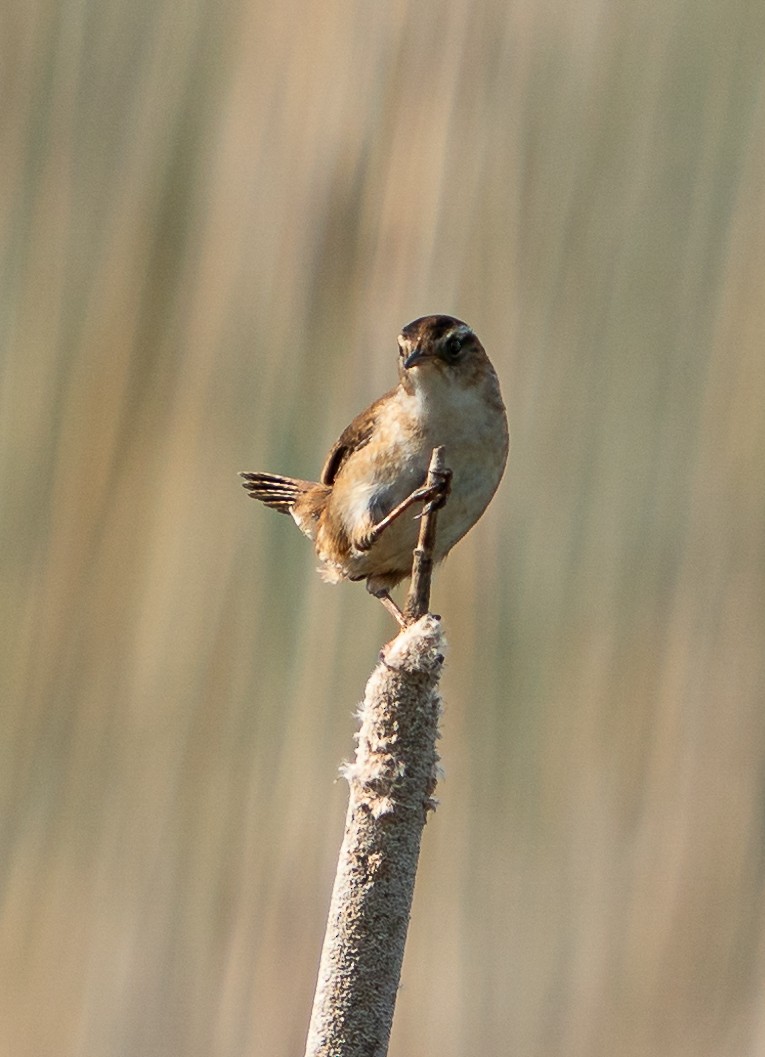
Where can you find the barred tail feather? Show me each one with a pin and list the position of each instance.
(280, 493)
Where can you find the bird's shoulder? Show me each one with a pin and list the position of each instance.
(354, 437)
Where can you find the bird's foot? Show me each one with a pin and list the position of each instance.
(433, 496)
(437, 494)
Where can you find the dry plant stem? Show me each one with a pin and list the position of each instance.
(418, 599)
(392, 783)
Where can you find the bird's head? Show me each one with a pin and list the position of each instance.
(437, 350)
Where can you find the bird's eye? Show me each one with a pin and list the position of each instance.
(453, 348)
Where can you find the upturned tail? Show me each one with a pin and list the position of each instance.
(280, 493)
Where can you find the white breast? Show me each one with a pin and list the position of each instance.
(475, 436)
(469, 421)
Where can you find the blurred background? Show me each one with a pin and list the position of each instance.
(214, 220)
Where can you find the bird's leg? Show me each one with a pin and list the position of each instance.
(384, 595)
(434, 496)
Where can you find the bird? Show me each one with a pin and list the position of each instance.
(358, 515)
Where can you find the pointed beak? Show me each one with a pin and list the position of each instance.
(417, 355)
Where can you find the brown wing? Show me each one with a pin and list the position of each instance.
(350, 440)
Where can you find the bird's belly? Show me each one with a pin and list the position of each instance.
(476, 473)
(377, 487)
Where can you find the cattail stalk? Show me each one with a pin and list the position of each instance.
(392, 783)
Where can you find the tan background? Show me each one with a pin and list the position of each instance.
(214, 219)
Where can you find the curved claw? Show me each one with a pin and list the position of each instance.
(365, 543)
(438, 494)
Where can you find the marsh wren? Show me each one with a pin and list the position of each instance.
(359, 514)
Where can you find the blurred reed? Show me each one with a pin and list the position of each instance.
(213, 221)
